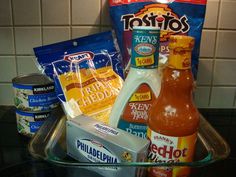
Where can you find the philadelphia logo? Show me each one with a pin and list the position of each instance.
(95, 152)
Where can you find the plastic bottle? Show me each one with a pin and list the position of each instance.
(174, 119)
(142, 85)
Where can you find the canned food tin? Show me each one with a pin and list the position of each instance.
(34, 92)
(29, 122)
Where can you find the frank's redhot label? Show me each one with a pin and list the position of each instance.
(168, 149)
(182, 17)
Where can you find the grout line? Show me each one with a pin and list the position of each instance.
(234, 103)
(218, 85)
(224, 58)
(100, 16)
(220, 29)
(70, 16)
(12, 55)
(41, 20)
(14, 36)
(217, 58)
(5, 82)
(215, 50)
(51, 25)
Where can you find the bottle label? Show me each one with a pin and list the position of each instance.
(168, 149)
(180, 59)
(136, 111)
(145, 48)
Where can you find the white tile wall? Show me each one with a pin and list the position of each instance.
(55, 34)
(225, 72)
(6, 40)
(56, 12)
(79, 31)
(208, 43)
(222, 97)
(86, 12)
(7, 68)
(26, 65)
(5, 15)
(205, 71)
(26, 12)
(25, 24)
(201, 97)
(211, 14)
(228, 15)
(6, 94)
(105, 18)
(26, 38)
(226, 44)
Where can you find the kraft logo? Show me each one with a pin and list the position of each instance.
(79, 56)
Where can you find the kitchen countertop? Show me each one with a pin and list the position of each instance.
(15, 160)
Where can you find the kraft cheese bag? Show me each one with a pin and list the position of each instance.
(182, 17)
(47, 54)
(88, 75)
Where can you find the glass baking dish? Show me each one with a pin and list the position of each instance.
(49, 144)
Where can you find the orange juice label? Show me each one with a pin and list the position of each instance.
(91, 92)
(136, 111)
(168, 149)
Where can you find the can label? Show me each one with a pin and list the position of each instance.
(35, 98)
(168, 149)
(29, 123)
(136, 111)
(145, 48)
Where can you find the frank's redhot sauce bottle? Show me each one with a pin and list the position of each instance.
(174, 119)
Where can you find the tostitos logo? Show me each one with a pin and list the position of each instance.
(157, 15)
(79, 56)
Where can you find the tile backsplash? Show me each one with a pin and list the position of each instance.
(25, 24)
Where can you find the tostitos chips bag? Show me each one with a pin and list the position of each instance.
(182, 17)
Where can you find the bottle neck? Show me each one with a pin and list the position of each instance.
(177, 83)
(180, 59)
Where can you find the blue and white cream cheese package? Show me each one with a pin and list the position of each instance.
(92, 141)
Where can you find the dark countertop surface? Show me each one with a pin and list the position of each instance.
(15, 160)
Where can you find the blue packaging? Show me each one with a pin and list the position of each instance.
(46, 55)
(182, 17)
(87, 73)
(28, 123)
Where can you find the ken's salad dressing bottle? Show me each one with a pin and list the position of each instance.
(142, 85)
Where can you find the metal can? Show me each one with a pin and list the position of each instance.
(29, 122)
(34, 92)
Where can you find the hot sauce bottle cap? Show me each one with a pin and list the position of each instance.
(180, 51)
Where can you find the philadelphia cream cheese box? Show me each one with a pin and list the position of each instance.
(89, 140)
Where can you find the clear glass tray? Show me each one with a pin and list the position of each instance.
(49, 144)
